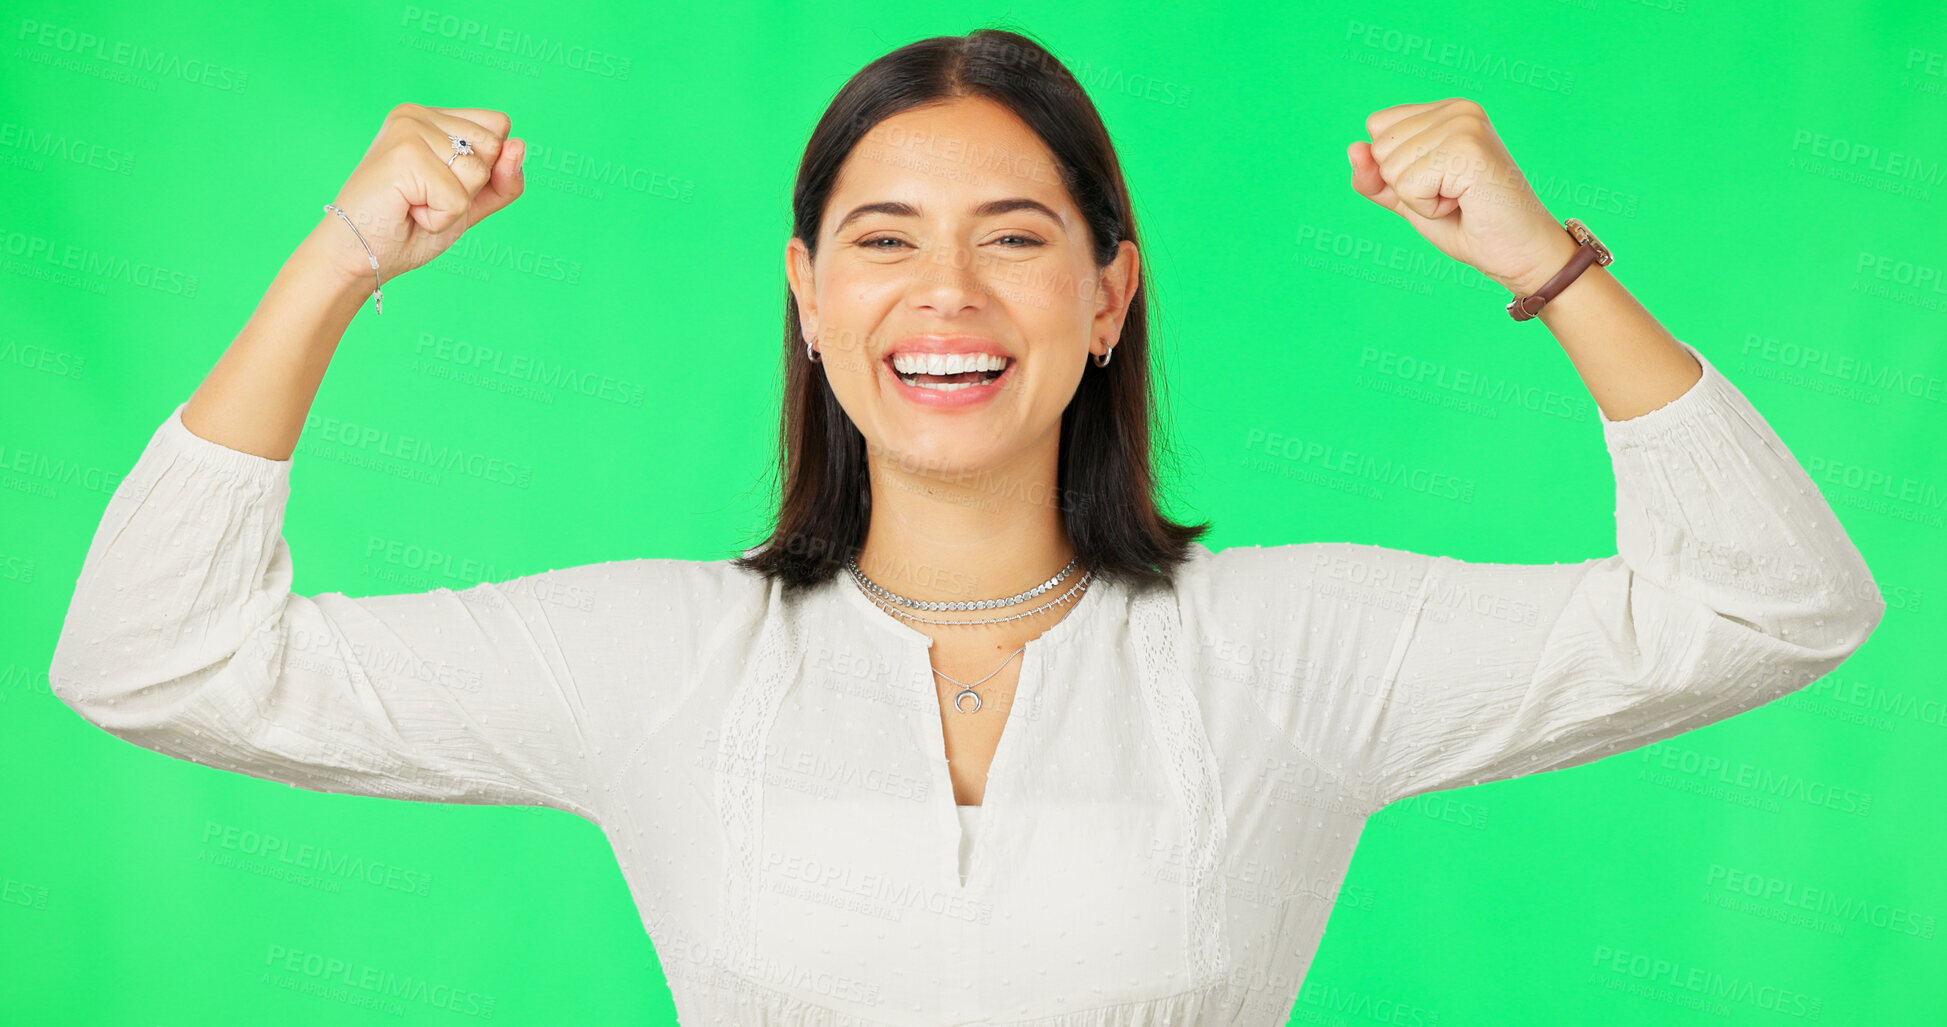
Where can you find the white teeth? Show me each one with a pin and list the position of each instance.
(947, 363)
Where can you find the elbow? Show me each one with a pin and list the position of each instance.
(119, 697)
(125, 673)
(1857, 620)
(1861, 605)
(1832, 630)
(1854, 609)
(95, 664)
(152, 716)
(68, 671)
(81, 684)
(1836, 618)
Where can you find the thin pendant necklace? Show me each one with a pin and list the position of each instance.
(968, 690)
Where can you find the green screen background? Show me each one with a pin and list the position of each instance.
(1769, 176)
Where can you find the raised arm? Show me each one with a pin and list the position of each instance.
(410, 198)
(184, 637)
(1733, 585)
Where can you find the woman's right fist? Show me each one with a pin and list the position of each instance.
(408, 202)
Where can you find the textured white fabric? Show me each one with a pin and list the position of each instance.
(1175, 798)
(969, 833)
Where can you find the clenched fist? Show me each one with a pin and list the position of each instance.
(408, 202)
(1442, 167)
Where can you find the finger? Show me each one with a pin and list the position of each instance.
(495, 122)
(1367, 181)
(506, 183)
(434, 192)
(1425, 165)
(1366, 178)
(1379, 123)
(472, 168)
(1431, 185)
(1398, 128)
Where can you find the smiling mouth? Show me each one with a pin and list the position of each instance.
(948, 382)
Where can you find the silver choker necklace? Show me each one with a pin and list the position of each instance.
(852, 564)
(1078, 586)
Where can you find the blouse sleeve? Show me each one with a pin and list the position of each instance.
(184, 637)
(1733, 585)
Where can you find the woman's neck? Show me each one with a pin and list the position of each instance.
(986, 535)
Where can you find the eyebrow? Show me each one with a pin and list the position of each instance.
(991, 208)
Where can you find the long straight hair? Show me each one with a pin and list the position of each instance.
(1106, 484)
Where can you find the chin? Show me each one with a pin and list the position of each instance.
(942, 451)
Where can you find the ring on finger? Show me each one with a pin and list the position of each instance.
(460, 147)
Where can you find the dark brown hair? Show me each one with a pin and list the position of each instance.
(1106, 485)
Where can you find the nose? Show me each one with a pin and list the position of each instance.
(949, 281)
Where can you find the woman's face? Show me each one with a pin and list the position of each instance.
(950, 238)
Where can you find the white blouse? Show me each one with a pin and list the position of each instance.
(1176, 794)
(969, 830)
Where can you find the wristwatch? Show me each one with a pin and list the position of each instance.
(1590, 251)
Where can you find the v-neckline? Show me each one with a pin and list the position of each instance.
(1027, 690)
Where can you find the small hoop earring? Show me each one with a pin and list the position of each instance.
(811, 354)
(1103, 360)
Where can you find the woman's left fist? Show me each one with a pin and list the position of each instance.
(1442, 168)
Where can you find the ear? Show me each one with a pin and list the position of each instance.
(797, 271)
(1116, 287)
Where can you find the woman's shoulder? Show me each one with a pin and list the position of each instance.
(1318, 581)
(712, 590)
(1292, 564)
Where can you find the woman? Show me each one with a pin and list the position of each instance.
(977, 734)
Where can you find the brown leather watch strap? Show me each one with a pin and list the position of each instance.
(1527, 307)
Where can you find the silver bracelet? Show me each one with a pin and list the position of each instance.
(378, 295)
